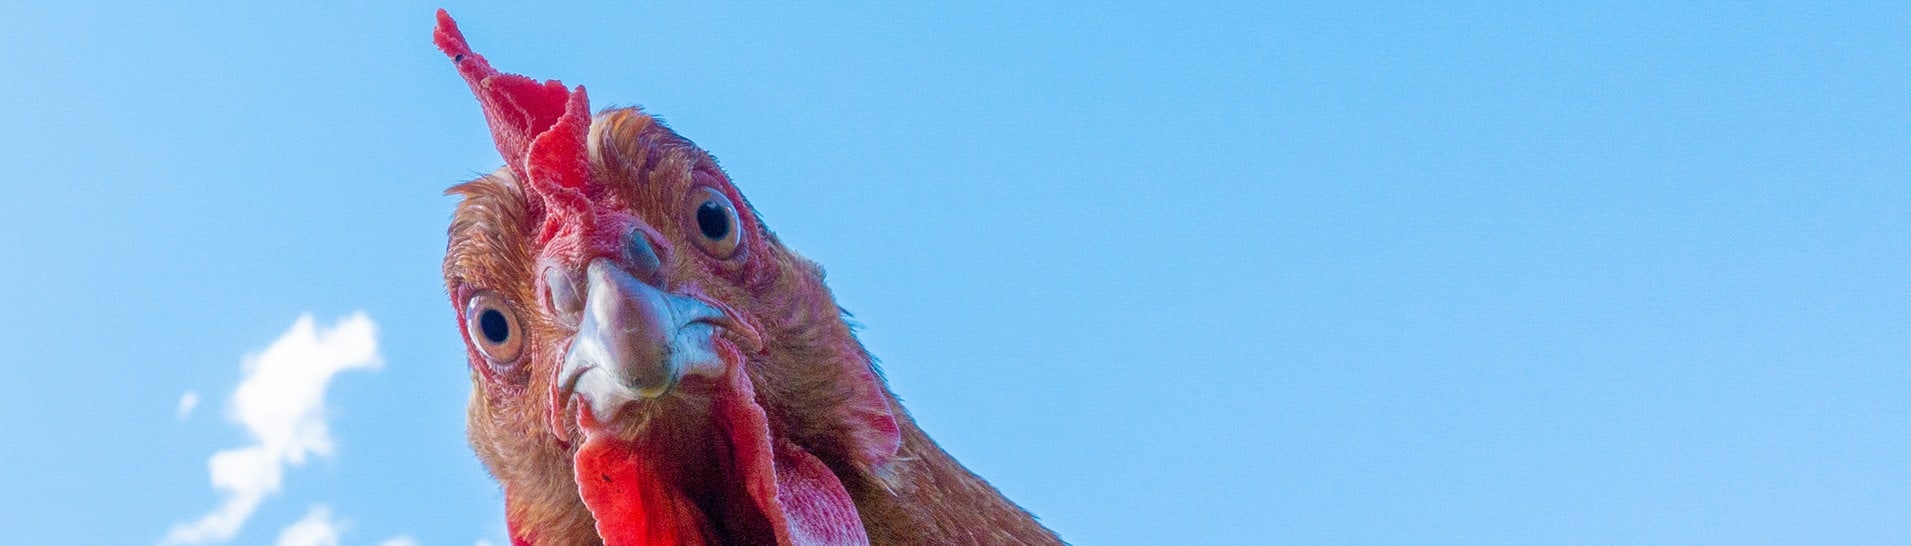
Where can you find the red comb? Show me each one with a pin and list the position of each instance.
(540, 128)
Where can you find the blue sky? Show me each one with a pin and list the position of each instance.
(1233, 274)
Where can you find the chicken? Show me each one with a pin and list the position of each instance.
(651, 366)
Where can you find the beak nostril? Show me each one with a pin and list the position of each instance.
(565, 301)
(641, 255)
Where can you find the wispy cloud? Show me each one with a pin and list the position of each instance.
(187, 402)
(281, 402)
(317, 528)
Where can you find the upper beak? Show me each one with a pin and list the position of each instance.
(634, 342)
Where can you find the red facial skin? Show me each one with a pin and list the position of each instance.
(796, 442)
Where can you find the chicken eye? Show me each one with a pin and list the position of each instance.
(494, 328)
(716, 221)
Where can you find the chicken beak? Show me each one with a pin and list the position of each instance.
(634, 342)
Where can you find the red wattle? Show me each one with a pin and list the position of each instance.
(632, 505)
(805, 502)
(773, 483)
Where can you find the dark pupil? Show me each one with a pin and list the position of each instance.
(495, 328)
(713, 220)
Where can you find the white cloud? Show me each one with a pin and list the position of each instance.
(400, 540)
(281, 402)
(317, 528)
(187, 402)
